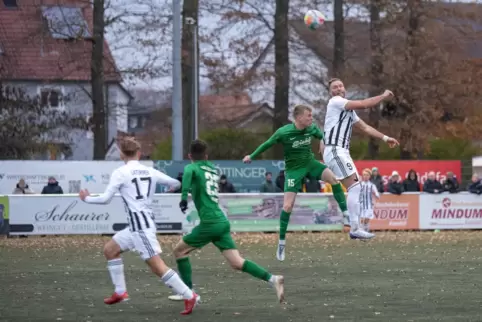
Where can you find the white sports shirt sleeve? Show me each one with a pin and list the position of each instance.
(165, 179)
(115, 183)
(339, 103)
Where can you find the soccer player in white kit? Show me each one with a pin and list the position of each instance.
(136, 184)
(339, 120)
(368, 194)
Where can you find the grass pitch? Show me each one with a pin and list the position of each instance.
(402, 276)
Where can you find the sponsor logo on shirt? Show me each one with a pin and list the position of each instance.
(299, 143)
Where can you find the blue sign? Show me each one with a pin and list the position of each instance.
(89, 178)
(244, 177)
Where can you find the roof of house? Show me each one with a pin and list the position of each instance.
(49, 40)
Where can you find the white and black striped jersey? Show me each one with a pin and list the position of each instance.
(338, 123)
(367, 191)
(136, 184)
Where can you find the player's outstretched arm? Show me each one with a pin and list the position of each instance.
(115, 183)
(375, 133)
(186, 182)
(369, 102)
(166, 180)
(263, 147)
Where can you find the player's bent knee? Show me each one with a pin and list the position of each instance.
(111, 250)
(287, 207)
(237, 264)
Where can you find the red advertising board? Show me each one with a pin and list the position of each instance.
(422, 167)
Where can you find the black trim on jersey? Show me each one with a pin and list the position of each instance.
(150, 251)
(339, 162)
(338, 129)
(145, 219)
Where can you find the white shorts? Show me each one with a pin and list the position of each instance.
(143, 241)
(339, 161)
(367, 213)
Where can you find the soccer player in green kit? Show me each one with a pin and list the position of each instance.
(299, 163)
(202, 177)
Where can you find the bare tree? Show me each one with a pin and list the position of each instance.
(339, 36)
(281, 69)
(376, 70)
(98, 83)
(190, 15)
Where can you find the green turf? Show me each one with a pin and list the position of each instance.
(397, 277)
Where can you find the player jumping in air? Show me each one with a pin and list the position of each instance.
(136, 184)
(299, 163)
(339, 120)
(201, 176)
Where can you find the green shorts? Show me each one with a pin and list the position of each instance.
(217, 233)
(294, 177)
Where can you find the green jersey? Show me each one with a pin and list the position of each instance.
(296, 144)
(202, 177)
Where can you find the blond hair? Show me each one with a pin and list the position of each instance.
(299, 109)
(129, 146)
(367, 171)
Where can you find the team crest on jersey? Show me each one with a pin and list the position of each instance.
(299, 143)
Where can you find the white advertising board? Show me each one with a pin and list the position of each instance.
(450, 211)
(59, 215)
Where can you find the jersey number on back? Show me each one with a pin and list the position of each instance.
(140, 184)
(212, 185)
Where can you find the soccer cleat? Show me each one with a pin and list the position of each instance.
(361, 234)
(189, 305)
(116, 298)
(279, 286)
(280, 254)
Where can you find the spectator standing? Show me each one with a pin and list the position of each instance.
(377, 180)
(280, 181)
(411, 184)
(475, 186)
(22, 188)
(394, 185)
(432, 185)
(268, 184)
(225, 186)
(451, 184)
(52, 188)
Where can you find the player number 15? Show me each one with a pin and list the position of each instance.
(291, 182)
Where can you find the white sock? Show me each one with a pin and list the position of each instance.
(172, 280)
(116, 271)
(272, 280)
(353, 205)
(282, 242)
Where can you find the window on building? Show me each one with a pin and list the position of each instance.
(65, 22)
(133, 122)
(10, 3)
(51, 98)
(143, 121)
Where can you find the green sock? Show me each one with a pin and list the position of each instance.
(255, 270)
(339, 196)
(184, 267)
(284, 219)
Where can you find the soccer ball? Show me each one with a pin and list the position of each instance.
(314, 19)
